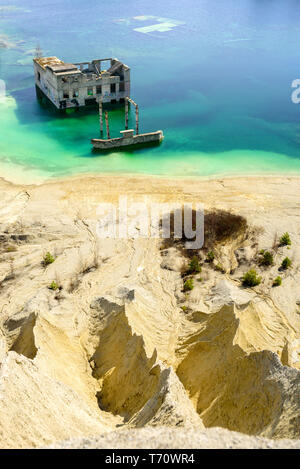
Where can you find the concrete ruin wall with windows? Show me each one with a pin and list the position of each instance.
(81, 84)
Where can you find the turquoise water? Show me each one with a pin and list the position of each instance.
(214, 75)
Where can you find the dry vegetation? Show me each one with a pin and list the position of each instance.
(220, 226)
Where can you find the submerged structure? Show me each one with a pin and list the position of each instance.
(69, 85)
(128, 139)
(74, 85)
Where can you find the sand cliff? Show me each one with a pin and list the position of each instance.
(119, 345)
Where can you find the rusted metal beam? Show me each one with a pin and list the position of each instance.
(132, 102)
(98, 60)
(137, 120)
(136, 114)
(101, 116)
(107, 125)
(126, 114)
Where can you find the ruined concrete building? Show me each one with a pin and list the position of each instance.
(69, 85)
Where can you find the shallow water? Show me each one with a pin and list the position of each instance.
(214, 75)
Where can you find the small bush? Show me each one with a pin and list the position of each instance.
(184, 308)
(267, 258)
(11, 249)
(188, 285)
(286, 263)
(277, 282)
(199, 279)
(210, 256)
(220, 226)
(285, 240)
(194, 267)
(220, 268)
(54, 286)
(250, 279)
(48, 259)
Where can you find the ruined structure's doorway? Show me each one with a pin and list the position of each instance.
(90, 102)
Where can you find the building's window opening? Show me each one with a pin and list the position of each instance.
(113, 88)
(90, 92)
(90, 102)
(122, 87)
(66, 95)
(75, 94)
(64, 80)
(39, 76)
(99, 89)
(105, 65)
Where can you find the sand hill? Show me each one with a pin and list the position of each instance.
(117, 344)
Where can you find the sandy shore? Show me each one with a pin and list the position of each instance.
(113, 185)
(253, 196)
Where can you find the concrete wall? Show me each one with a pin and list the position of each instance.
(56, 89)
(128, 140)
(47, 82)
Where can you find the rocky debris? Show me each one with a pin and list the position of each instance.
(227, 293)
(248, 392)
(171, 260)
(174, 438)
(170, 405)
(37, 410)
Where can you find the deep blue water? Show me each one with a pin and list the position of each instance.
(218, 83)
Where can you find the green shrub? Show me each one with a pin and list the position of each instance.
(48, 259)
(285, 240)
(277, 282)
(11, 249)
(188, 285)
(250, 279)
(194, 267)
(267, 258)
(199, 279)
(54, 286)
(210, 256)
(184, 308)
(286, 263)
(220, 268)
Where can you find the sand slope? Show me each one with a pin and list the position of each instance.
(120, 344)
